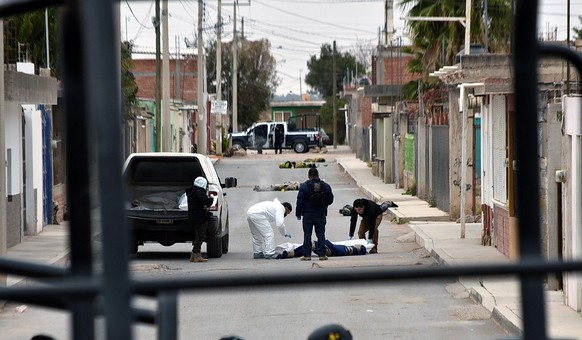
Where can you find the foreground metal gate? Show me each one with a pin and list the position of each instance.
(93, 131)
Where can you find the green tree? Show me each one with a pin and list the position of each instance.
(257, 77)
(320, 75)
(578, 30)
(25, 39)
(128, 86)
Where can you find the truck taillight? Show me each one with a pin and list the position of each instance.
(214, 195)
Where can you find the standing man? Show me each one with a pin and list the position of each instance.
(312, 201)
(371, 214)
(260, 217)
(279, 139)
(199, 215)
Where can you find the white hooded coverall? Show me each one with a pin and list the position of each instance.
(260, 217)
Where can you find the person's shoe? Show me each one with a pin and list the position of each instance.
(258, 255)
(270, 256)
(374, 250)
(305, 258)
(197, 257)
(323, 258)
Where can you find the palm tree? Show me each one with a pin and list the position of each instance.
(436, 43)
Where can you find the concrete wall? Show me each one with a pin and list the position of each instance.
(550, 198)
(455, 153)
(22, 89)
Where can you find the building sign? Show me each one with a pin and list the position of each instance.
(218, 107)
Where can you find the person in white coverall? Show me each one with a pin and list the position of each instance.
(260, 217)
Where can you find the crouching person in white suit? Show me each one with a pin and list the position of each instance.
(261, 217)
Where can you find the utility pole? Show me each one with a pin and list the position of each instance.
(219, 78)
(234, 76)
(156, 22)
(202, 148)
(300, 89)
(3, 247)
(166, 125)
(334, 101)
(46, 25)
(468, 5)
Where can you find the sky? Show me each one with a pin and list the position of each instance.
(296, 29)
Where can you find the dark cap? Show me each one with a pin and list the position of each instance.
(288, 206)
(313, 172)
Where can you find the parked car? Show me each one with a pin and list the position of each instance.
(155, 184)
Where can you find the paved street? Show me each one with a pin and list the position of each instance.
(499, 297)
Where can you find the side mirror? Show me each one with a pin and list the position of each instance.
(230, 182)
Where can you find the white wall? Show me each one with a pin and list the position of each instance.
(33, 203)
(13, 140)
(572, 106)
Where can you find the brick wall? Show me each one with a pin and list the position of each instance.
(144, 71)
(394, 66)
(366, 111)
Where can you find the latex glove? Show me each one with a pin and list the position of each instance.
(288, 235)
(369, 241)
(350, 237)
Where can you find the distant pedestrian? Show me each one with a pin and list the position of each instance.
(371, 214)
(260, 217)
(279, 139)
(198, 204)
(260, 137)
(313, 198)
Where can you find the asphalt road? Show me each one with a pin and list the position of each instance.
(438, 309)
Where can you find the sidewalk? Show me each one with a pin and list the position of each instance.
(442, 238)
(433, 232)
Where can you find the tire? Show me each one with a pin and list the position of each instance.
(300, 147)
(225, 240)
(237, 145)
(226, 237)
(214, 247)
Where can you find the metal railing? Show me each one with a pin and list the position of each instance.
(90, 54)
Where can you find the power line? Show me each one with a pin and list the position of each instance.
(311, 19)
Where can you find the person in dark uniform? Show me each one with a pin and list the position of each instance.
(313, 198)
(199, 216)
(279, 139)
(371, 214)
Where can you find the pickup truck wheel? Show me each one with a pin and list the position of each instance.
(300, 147)
(225, 240)
(237, 145)
(214, 247)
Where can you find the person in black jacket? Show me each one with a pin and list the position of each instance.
(279, 139)
(312, 201)
(199, 216)
(371, 214)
